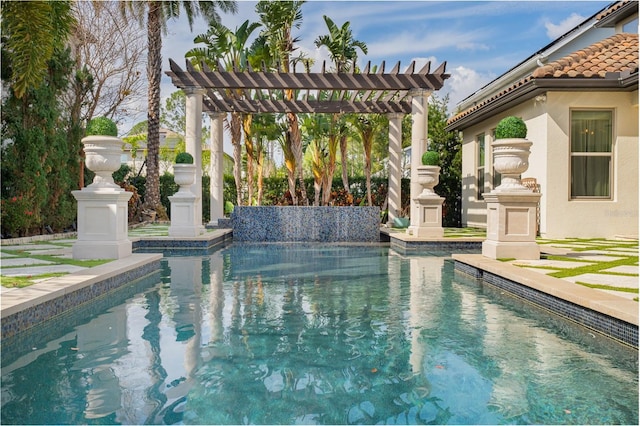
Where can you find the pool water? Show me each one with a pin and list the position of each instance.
(317, 334)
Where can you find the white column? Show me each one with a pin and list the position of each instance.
(193, 142)
(394, 196)
(419, 126)
(216, 168)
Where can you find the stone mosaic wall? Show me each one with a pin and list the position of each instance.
(289, 223)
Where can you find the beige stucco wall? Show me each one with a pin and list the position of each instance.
(598, 218)
(548, 128)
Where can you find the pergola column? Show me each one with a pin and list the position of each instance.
(394, 196)
(419, 126)
(193, 142)
(216, 168)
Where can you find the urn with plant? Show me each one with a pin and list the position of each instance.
(184, 171)
(511, 153)
(429, 173)
(103, 150)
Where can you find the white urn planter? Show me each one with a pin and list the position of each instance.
(511, 159)
(184, 175)
(102, 156)
(428, 178)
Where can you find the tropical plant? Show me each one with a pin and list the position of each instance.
(367, 126)
(31, 33)
(511, 127)
(229, 49)
(157, 14)
(102, 126)
(343, 51)
(279, 18)
(184, 158)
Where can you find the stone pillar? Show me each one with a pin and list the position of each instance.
(216, 168)
(193, 142)
(420, 118)
(394, 196)
(102, 224)
(511, 225)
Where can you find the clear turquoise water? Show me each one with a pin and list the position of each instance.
(333, 334)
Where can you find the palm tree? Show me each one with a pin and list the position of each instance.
(228, 49)
(279, 19)
(158, 13)
(31, 31)
(264, 129)
(367, 126)
(343, 52)
(316, 131)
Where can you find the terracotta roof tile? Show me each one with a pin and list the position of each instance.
(612, 9)
(614, 54)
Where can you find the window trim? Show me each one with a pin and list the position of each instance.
(610, 154)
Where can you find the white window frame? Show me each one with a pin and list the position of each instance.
(609, 154)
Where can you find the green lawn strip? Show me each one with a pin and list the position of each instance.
(608, 287)
(596, 268)
(20, 282)
(55, 259)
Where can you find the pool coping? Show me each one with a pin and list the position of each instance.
(608, 314)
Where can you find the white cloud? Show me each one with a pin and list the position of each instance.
(556, 30)
(462, 83)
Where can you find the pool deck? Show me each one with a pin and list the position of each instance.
(18, 305)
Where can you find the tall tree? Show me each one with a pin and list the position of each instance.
(158, 13)
(343, 50)
(227, 48)
(279, 19)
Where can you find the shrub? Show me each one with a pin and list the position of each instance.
(184, 158)
(102, 126)
(511, 127)
(430, 158)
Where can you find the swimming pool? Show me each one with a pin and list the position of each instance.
(325, 334)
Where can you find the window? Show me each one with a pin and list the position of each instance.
(480, 151)
(591, 154)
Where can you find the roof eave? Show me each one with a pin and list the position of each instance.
(534, 87)
(625, 11)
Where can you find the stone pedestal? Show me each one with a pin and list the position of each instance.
(511, 225)
(102, 223)
(429, 209)
(183, 215)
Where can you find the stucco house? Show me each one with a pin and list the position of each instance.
(579, 99)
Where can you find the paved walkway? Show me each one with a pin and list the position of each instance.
(606, 265)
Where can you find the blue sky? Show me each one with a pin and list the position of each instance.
(479, 40)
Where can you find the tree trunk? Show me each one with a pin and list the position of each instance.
(236, 136)
(154, 73)
(343, 159)
(249, 147)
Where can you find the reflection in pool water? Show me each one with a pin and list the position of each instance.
(331, 334)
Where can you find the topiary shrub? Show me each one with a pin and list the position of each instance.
(102, 126)
(430, 158)
(184, 158)
(511, 127)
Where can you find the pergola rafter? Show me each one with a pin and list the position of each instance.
(354, 92)
(372, 90)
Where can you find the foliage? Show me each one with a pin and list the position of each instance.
(430, 158)
(511, 127)
(184, 158)
(102, 126)
(40, 162)
(32, 32)
(449, 145)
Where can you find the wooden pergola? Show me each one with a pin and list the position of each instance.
(218, 92)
